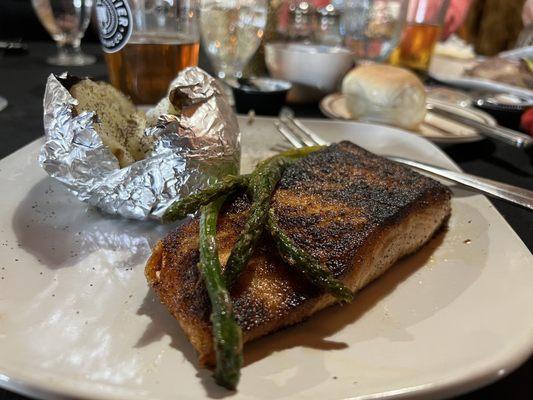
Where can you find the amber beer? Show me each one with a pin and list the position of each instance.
(143, 71)
(416, 46)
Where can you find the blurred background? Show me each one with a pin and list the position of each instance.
(490, 25)
(275, 52)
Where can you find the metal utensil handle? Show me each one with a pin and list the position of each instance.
(508, 136)
(513, 194)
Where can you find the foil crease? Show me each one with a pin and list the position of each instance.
(191, 149)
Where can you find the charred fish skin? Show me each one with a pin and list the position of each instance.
(350, 209)
(345, 193)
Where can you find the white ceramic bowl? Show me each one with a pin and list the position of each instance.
(314, 70)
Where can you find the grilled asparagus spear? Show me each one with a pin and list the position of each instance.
(317, 273)
(179, 209)
(227, 334)
(262, 183)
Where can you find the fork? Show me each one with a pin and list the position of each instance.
(299, 135)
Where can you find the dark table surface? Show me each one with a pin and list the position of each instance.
(22, 80)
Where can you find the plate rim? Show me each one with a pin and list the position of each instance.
(472, 82)
(481, 84)
(324, 106)
(393, 129)
(451, 386)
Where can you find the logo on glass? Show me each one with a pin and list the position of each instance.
(114, 24)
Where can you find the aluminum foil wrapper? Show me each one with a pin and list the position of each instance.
(191, 149)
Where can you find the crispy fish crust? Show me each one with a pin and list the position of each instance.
(356, 212)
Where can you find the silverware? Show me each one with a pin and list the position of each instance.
(298, 135)
(513, 194)
(508, 136)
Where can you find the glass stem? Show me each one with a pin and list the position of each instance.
(70, 49)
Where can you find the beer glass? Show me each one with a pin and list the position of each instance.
(146, 43)
(420, 35)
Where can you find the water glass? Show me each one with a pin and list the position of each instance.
(231, 32)
(66, 21)
(372, 28)
(301, 21)
(328, 29)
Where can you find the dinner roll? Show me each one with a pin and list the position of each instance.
(382, 93)
(119, 124)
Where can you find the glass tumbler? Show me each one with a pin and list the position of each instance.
(372, 28)
(420, 35)
(147, 43)
(231, 32)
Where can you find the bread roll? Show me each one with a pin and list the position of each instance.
(386, 94)
(119, 124)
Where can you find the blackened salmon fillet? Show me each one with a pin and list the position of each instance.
(354, 211)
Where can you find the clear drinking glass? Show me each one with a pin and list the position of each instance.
(301, 21)
(147, 43)
(328, 30)
(66, 21)
(420, 35)
(372, 28)
(231, 32)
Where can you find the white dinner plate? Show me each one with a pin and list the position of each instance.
(77, 319)
(451, 71)
(436, 128)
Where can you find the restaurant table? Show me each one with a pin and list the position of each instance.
(22, 82)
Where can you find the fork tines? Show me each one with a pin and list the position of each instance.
(296, 133)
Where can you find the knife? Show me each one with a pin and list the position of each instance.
(508, 136)
(522, 197)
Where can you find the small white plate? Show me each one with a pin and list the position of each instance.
(435, 128)
(77, 319)
(451, 71)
